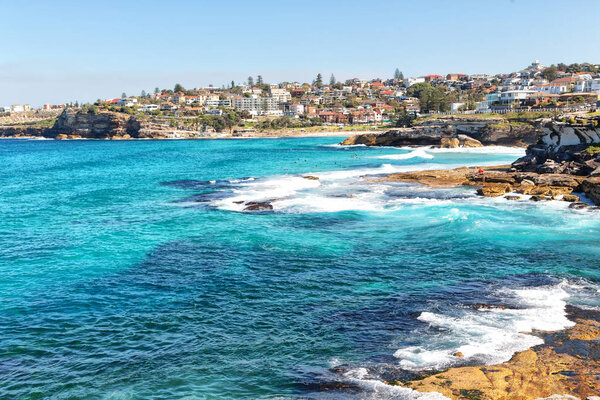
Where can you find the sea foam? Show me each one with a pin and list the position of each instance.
(489, 335)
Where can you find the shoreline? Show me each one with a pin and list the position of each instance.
(567, 363)
(258, 135)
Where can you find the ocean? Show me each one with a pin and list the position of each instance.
(130, 270)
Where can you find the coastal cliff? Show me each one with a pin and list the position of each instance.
(455, 131)
(77, 124)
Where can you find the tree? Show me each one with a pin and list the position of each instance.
(550, 73)
(156, 90)
(250, 81)
(178, 88)
(405, 119)
(399, 76)
(232, 84)
(259, 80)
(76, 103)
(143, 93)
(123, 95)
(319, 81)
(332, 80)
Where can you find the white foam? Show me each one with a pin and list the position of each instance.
(504, 150)
(374, 389)
(489, 336)
(419, 153)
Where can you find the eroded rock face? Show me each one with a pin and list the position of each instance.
(453, 131)
(103, 125)
(561, 150)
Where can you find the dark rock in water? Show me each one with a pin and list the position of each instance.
(512, 197)
(258, 206)
(346, 195)
(539, 197)
(579, 205)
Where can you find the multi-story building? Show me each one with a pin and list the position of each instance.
(214, 103)
(257, 105)
(281, 95)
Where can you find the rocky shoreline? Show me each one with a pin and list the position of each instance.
(507, 182)
(567, 364)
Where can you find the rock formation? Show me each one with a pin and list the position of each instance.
(567, 364)
(454, 131)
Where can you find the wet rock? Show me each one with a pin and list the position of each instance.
(591, 187)
(258, 206)
(570, 198)
(579, 205)
(559, 397)
(512, 197)
(459, 355)
(494, 190)
(343, 195)
(539, 197)
(312, 178)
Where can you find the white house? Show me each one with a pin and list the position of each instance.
(150, 107)
(553, 88)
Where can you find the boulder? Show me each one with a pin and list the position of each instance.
(570, 198)
(467, 141)
(512, 197)
(591, 187)
(449, 142)
(258, 206)
(579, 205)
(312, 178)
(494, 190)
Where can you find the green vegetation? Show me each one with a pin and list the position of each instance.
(471, 394)
(592, 150)
(430, 98)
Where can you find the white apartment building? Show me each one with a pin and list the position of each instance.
(281, 95)
(588, 86)
(214, 103)
(257, 105)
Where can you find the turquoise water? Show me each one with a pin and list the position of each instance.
(129, 270)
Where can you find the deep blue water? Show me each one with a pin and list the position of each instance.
(129, 270)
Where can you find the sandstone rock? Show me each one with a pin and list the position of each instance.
(591, 187)
(527, 182)
(467, 141)
(494, 190)
(570, 198)
(459, 355)
(449, 143)
(62, 136)
(312, 178)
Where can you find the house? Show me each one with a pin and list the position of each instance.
(454, 107)
(127, 101)
(150, 107)
(411, 81)
(431, 78)
(455, 77)
(553, 88)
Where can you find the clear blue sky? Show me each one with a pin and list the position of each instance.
(60, 51)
